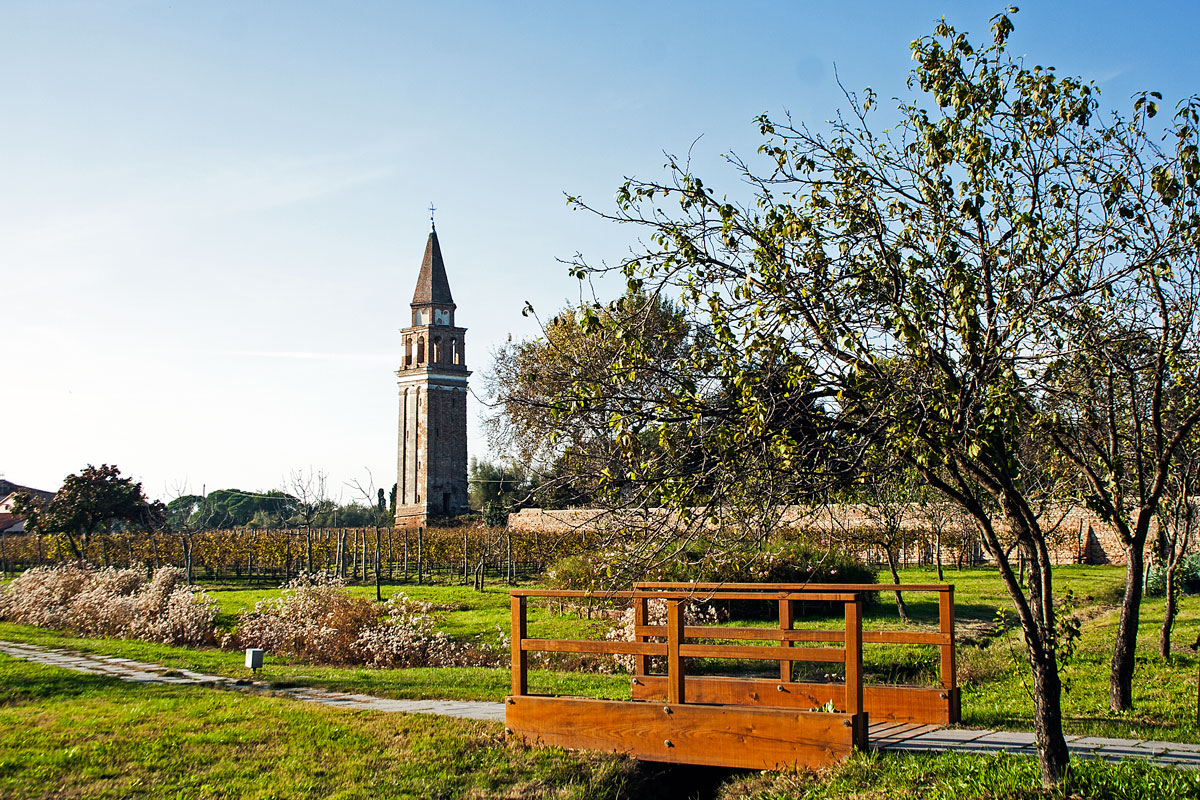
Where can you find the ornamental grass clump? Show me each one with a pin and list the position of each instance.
(317, 620)
(112, 602)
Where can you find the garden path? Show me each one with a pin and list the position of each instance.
(892, 737)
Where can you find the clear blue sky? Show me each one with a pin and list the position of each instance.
(212, 214)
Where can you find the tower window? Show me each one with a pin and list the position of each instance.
(420, 349)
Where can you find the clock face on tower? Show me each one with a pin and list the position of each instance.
(441, 317)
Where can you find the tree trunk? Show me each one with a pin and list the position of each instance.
(420, 556)
(187, 556)
(1164, 636)
(1120, 687)
(1047, 721)
(390, 559)
(901, 606)
(512, 570)
(937, 550)
(287, 556)
(308, 549)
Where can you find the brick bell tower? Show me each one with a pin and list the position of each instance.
(432, 464)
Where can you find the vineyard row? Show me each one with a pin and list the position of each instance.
(464, 554)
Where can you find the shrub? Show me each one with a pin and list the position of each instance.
(317, 620)
(573, 572)
(1187, 577)
(656, 614)
(112, 602)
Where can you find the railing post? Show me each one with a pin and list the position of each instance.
(854, 684)
(674, 662)
(949, 664)
(641, 613)
(786, 615)
(520, 658)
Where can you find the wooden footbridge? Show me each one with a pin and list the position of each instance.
(731, 720)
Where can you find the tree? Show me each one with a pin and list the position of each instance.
(309, 491)
(531, 419)
(496, 484)
(91, 502)
(1177, 524)
(920, 286)
(887, 493)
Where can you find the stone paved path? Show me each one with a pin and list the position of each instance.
(141, 672)
(892, 737)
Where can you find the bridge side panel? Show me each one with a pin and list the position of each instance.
(883, 703)
(722, 736)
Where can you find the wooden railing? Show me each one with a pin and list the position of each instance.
(703, 722)
(940, 704)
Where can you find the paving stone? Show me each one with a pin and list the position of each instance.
(1100, 741)
(1173, 746)
(1006, 738)
(965, 735)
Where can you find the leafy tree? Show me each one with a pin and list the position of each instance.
(493, 483)
(532, 420)
(182, 512)
(94, 501)
(236, 508)
(926, 289)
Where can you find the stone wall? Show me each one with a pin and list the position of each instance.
(1075, 535)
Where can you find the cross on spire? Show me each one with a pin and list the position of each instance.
(432, 226)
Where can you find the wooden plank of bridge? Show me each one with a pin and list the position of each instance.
(907, 704)
(854, 684)
(520, 657)
(674, 646)
(722, 736)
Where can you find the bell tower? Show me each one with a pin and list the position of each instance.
(432, 463)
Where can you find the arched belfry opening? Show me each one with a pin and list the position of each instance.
(432, 443)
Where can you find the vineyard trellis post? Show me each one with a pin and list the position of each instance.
(378, 587)
(420, 556)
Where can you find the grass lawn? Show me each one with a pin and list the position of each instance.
(991, 670)
(63, 734)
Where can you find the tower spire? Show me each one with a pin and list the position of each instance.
(433, 287)
(432, 226)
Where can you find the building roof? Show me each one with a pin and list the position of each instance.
(432, 286)
(10, 522)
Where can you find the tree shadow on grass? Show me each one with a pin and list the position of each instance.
(26, 682)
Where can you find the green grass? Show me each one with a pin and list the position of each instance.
(468, 683)
(68, 735)
(955, 776)
(54, 708)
